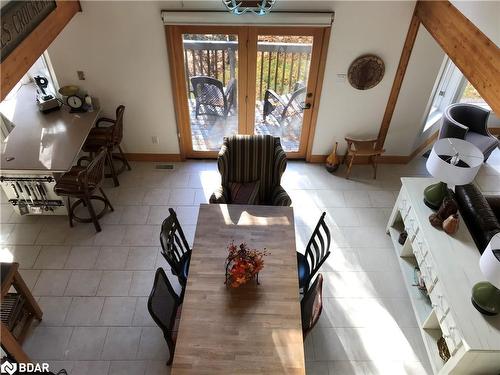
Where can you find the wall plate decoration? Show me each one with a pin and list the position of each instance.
(366, 72)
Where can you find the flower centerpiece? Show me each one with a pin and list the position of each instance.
(243, 264)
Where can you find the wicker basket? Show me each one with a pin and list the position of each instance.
(444, 353)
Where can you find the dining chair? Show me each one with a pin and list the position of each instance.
(175, 248)
(317, 250)
(109, 136)
(82, 182)
(311, 306)
(164, 305)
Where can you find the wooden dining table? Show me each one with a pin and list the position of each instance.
(253, 329)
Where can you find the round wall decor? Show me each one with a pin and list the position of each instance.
(366, 72)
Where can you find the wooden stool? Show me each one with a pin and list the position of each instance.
(109, 137)
(18, 311)
(364, 148)
(82, 182)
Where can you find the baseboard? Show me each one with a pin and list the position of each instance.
(153, 157)
(423, 146)
(318, 159)
(384, 159)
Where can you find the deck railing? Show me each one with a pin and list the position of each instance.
(279, 65)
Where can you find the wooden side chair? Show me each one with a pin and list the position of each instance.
(362, 148)
(317, 251)
(165, 307)
(109, 136)
(311, 306)
(82, 182)
(175, 248)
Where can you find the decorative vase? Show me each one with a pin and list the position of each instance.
(436, 221)
(402, 237)
(450, 225)
(448, 207)
(434, 195)
(231, 279)
(243, 265)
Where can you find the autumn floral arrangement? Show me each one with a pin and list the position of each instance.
(243, 264)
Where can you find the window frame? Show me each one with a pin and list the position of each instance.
(448, 88)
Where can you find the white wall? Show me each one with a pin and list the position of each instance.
(484, 14)
(405, 132)
(359, 28)
(121, 48)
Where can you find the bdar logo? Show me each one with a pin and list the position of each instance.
(8, 368)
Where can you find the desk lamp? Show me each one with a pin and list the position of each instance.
(486, 294)
(453, 161)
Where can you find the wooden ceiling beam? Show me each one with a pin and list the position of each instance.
(398, 79)
(477, 57)
(32, 47)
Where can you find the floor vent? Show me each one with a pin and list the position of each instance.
(164, 166)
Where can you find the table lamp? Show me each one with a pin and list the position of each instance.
(486, 294)
(453, 161)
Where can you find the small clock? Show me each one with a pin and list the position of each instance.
(75, 103)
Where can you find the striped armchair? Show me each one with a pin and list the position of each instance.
(252, 158)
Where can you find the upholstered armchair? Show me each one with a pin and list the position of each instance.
(469, 122)
(251, 167)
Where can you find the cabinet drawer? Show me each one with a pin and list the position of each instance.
(403, 203)
(420, 244)
(431, 268)
(451, 334)
(411, 224)
(419, 256)
(439, 303)
(429, 284)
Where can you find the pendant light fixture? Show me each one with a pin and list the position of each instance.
(258, 7)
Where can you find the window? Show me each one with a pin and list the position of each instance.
(40, 67)
(8, 105)
(446, 91)
(470, 95)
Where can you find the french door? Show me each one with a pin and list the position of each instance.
(244, 80)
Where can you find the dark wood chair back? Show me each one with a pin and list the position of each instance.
(163, 304)
(318, 248)
(118, 126)
(311, 306)
(175, 248)
(91, 177)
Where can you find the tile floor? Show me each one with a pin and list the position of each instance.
(93, 287)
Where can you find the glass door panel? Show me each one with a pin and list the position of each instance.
(211, 73)
(283, 63)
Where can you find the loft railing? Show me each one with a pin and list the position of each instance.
(279, 65)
